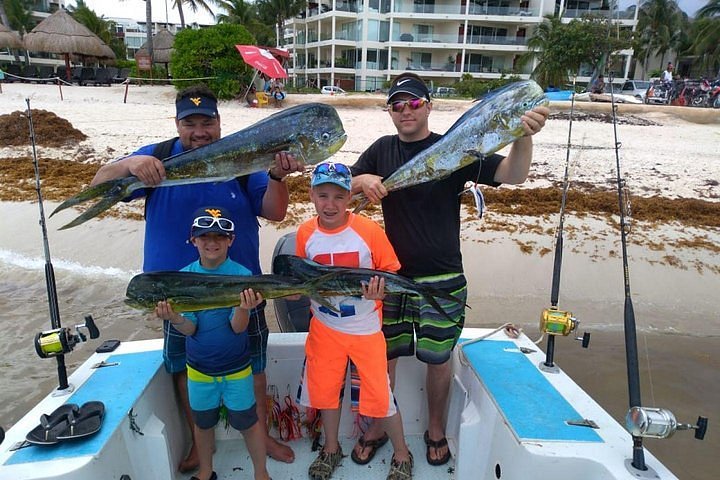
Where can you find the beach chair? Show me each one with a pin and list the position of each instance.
(46, 73)
(122, 75)
(262, 99)
(102, 76)
(12, 69)
(29, 72)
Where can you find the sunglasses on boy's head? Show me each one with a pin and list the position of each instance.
(330, 168)
(413, 103)
(207, 222)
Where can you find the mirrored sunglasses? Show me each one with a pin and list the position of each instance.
(207, 222)
(330, 168)
(413, 103)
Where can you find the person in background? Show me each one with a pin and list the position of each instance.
(262, 194)
(423, 225)
(598, 85)
(667, 74)
(218, 357)
(352, 332)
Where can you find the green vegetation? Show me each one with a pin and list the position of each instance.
(211, 52)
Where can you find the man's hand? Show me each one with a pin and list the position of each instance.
(534, 120)
(371, 186)
(147, 169)
(285, 164)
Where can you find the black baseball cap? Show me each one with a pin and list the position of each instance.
(211, 220)
(411, 85)
(196, 105)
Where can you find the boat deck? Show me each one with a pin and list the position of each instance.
(231, 461)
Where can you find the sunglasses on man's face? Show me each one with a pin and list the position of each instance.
(413, 103)
(207, 222)
(330, 168)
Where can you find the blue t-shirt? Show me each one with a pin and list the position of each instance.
(169, 213)
(215, 349)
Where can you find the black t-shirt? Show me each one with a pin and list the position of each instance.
(423, 221)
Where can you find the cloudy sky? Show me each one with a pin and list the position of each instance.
(135, 9)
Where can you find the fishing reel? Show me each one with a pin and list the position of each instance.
(651, 422)
(556, 322)
(60, 341)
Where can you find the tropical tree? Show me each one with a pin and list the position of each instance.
(19, 17)
(711, 9)
(706, 44)
(659, 29)
(241, 13)
(277, 12)
(100, 26)
(194, 5)
(562, 48)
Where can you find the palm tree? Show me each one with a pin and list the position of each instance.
(659, 23)
(277, 11)
(100, 26)
(549, 69)
(193, 5)
(19, 17)
(711, 9)
(706, 44)
(237, 12)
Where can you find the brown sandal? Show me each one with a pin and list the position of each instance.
(437, 445)
(373, 445)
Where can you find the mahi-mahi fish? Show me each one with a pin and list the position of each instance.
(191, 292)
(333, 281)
(312, 132)
(485, 128)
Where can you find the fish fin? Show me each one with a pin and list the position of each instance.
(110, 188)
(313, 291)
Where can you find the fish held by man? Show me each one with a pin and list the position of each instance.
(191, 292)
(312, 132)
(344, 281)
(489, 125)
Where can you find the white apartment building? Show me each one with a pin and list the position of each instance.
(360, 44)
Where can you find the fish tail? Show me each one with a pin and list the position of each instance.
(363, 203)
(92, 212)
(110, 193)
(432, 294)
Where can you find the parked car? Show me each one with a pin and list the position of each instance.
(331, 90)
(444, 92)
(636, 88)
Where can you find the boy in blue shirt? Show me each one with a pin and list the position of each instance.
(218, 358)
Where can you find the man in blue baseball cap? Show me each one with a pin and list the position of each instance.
(166, 247)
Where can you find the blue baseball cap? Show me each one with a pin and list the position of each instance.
(196, 105)
(331, 172)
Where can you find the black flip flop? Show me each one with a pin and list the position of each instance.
(374, 445)
(437, 445)
(51, 425)
(84, 422)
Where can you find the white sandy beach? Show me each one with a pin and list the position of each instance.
(674, 288)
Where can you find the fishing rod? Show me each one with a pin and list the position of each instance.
(640, 421)
(58, 341)
(554, 321)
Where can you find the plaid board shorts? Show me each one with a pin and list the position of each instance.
(174, 343)
(436, 335)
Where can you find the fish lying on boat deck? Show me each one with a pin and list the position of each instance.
(312, 132)
(485, 128)
(340, 281)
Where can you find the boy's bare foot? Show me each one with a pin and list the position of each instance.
(279, 451)
(191, 462)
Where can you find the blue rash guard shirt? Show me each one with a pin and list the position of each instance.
(215, 349)
(169, 213)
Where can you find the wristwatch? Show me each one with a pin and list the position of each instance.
(274, 177)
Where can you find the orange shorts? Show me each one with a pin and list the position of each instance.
(327, 353)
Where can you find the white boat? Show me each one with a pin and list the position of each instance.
(507, 419)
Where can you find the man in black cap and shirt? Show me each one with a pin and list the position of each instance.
(423, 225)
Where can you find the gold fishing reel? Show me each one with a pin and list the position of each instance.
(60, 341)
(557, 322)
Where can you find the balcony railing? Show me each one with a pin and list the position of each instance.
(495, 40)
(458, 39)
(503, 11)
(614, 14)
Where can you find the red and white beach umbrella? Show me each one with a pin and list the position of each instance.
(262, 60)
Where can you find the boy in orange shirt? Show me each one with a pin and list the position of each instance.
(340, 238)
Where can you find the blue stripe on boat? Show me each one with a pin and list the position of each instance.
(118, 387)
(534, 409)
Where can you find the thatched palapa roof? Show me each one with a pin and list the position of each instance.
(60, 33)
(162, 46)
(8, 38)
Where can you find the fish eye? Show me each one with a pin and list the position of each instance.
(325, 136)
